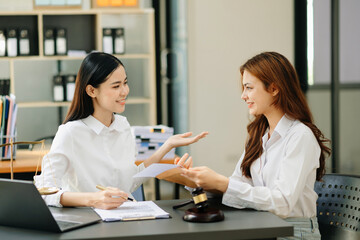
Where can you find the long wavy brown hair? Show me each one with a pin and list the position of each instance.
(274, 68)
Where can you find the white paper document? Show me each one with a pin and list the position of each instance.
(130, 211)
(155, 169)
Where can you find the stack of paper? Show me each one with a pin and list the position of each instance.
(130, 211)
(8, 113)
(150, 138)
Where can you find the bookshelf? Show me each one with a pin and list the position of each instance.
(31, 77)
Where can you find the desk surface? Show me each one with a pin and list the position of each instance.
(238, 224)
(26, 161)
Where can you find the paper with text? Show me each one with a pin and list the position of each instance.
(133, 211)
(155, 169)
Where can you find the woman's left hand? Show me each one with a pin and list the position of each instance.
(184, 139)
(185, 161)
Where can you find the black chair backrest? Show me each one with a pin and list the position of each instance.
(338, 205)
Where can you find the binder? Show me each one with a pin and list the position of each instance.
(119, 41)
(49, 42)
(61, 42)
(3, 120)
(107, 41)
(24, 42)
(2, 83)
(6, 87)
(12, 46)
(70, 87)
(2, 43)
(1, 110)
(8, 126)
(58, 89)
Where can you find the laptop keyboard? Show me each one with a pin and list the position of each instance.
(65, 225)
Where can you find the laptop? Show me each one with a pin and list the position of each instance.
(21, 205)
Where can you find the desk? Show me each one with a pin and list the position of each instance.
(238, 224)
(26, 161)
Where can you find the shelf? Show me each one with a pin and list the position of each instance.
(67, 104)
(80, 12)
(39, 58)
(31, 77)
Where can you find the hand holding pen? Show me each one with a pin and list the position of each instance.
(108, 198)
(107, 188)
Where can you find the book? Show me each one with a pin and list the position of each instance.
(168, 172)
(130, 211)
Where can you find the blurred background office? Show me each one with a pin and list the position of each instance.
(199, 47)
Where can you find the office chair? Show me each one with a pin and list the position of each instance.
(139, 194)
(338, 206)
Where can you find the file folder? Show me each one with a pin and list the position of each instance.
(70, 87)
(24, 42)
(119, 41)
(107, 41)
(61, 42)
(49, 42)
(2, 43)
(11, 46)
(58, 89)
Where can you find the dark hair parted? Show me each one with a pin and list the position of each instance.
(94, 70)
(274, 68)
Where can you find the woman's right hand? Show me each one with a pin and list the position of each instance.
(107, 199)
(207, 178)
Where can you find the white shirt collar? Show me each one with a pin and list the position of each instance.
(284, 125)
(98, 126)
(281, 129)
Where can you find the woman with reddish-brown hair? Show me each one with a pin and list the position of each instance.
(284, 153)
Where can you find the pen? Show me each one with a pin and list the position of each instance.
(104, 188)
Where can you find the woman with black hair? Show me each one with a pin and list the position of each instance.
(95, 145)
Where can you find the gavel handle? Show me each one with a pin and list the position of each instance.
(183, 204)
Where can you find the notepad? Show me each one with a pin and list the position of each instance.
(130, 211)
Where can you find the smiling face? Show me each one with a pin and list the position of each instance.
(258, 99)
(110, 96)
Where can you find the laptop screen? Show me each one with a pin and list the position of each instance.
(21, 205)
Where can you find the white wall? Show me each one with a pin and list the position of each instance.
(222, 36)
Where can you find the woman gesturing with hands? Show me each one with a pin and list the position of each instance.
(95, 144)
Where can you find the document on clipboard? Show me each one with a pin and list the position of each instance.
(132, 211)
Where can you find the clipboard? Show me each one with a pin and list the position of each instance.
(133, 211)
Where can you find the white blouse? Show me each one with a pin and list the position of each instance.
(282, 179)
(86, 153)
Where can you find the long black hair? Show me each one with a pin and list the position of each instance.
(94, 70)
